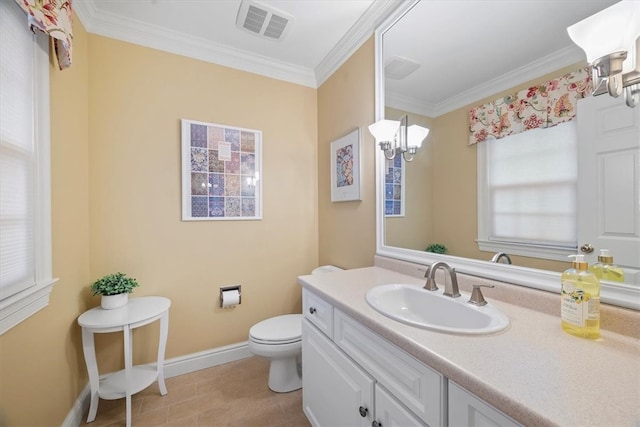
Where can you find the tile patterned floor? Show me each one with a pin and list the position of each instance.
(233, 394)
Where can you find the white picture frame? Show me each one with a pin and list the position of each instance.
(221, 172)
(345, 168)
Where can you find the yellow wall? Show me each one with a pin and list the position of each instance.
(137, 98)
(346, 101)
(415, 229)
(116, 207)
(41, 364)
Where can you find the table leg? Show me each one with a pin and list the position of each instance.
(89, 350)
(127, 371)
(162, 345)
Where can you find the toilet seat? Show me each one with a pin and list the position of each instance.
(277, 330)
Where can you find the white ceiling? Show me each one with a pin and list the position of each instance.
(322, 34)
(468, 49)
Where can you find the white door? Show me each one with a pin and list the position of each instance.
(335, 391)
(609, 178)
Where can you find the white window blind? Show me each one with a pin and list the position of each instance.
(16, 153)
(530, 185)
(25, 229)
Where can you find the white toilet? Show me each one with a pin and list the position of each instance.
(280, 339)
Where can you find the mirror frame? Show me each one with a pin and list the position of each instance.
(623, 295)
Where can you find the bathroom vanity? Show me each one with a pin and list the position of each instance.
(361, 368)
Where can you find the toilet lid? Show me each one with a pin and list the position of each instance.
(285, 328)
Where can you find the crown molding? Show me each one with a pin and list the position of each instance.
(155, 37)
(364, 28)
(144, 34)
(545, 65)
(409, 104)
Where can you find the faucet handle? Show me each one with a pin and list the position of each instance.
(430, 284)
(476, 295)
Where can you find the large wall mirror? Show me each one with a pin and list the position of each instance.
(435, 60)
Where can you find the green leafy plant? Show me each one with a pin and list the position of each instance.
(113, 284)
(437, 248)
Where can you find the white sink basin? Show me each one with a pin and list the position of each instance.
(416, 306)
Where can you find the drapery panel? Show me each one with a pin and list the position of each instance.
(541, 106)
(53, 17)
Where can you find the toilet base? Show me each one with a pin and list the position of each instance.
(284, 375)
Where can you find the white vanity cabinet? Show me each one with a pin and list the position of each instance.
(465, 409)
(353, 377)
(335, 390)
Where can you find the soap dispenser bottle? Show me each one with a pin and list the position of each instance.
(605, 269)
(580, 306)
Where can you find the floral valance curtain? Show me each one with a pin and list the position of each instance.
(541, 106)
(53, 17)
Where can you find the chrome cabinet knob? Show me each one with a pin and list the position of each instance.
(587, 248)
(363, 411)
(312, 310)
(376, 424)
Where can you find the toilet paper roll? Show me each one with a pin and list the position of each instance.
(230, 298)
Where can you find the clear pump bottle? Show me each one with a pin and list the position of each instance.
(580, 300)
(605, 269)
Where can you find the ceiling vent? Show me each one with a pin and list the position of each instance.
(263, 20)
(399, 68)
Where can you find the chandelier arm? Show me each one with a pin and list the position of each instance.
(632, 95)
(387, 156)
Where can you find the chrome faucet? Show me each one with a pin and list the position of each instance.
(501, 255)
(450, 283)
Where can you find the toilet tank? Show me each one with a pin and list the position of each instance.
(326, 269)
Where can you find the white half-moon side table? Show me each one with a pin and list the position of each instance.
(138, 312)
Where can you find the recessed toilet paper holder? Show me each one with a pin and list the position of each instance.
(230, 288)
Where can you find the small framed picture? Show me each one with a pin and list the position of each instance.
(345, 168)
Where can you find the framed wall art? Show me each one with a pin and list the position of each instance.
(394, 187)
(345, 168)
(221, 172)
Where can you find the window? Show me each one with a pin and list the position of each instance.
(25, 212)
(527, 186)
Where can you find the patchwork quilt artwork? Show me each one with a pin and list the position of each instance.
(394, 187)
(345, 168)
(220, 172)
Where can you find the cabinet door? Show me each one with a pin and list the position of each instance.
(390, 413)
(334, 389)
(465, 409)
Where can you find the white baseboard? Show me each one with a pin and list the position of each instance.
(172, 367)
(79, 408)
(206, 359)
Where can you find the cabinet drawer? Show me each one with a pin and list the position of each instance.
(318, 311)
(418, 387)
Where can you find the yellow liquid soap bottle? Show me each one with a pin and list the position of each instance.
(580, 300)
(605, 269)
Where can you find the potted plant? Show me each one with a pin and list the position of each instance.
(437, 248)
(115, 289)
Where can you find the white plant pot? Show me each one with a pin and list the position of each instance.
(109, 302)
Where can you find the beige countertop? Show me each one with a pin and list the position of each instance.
(534, 372)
